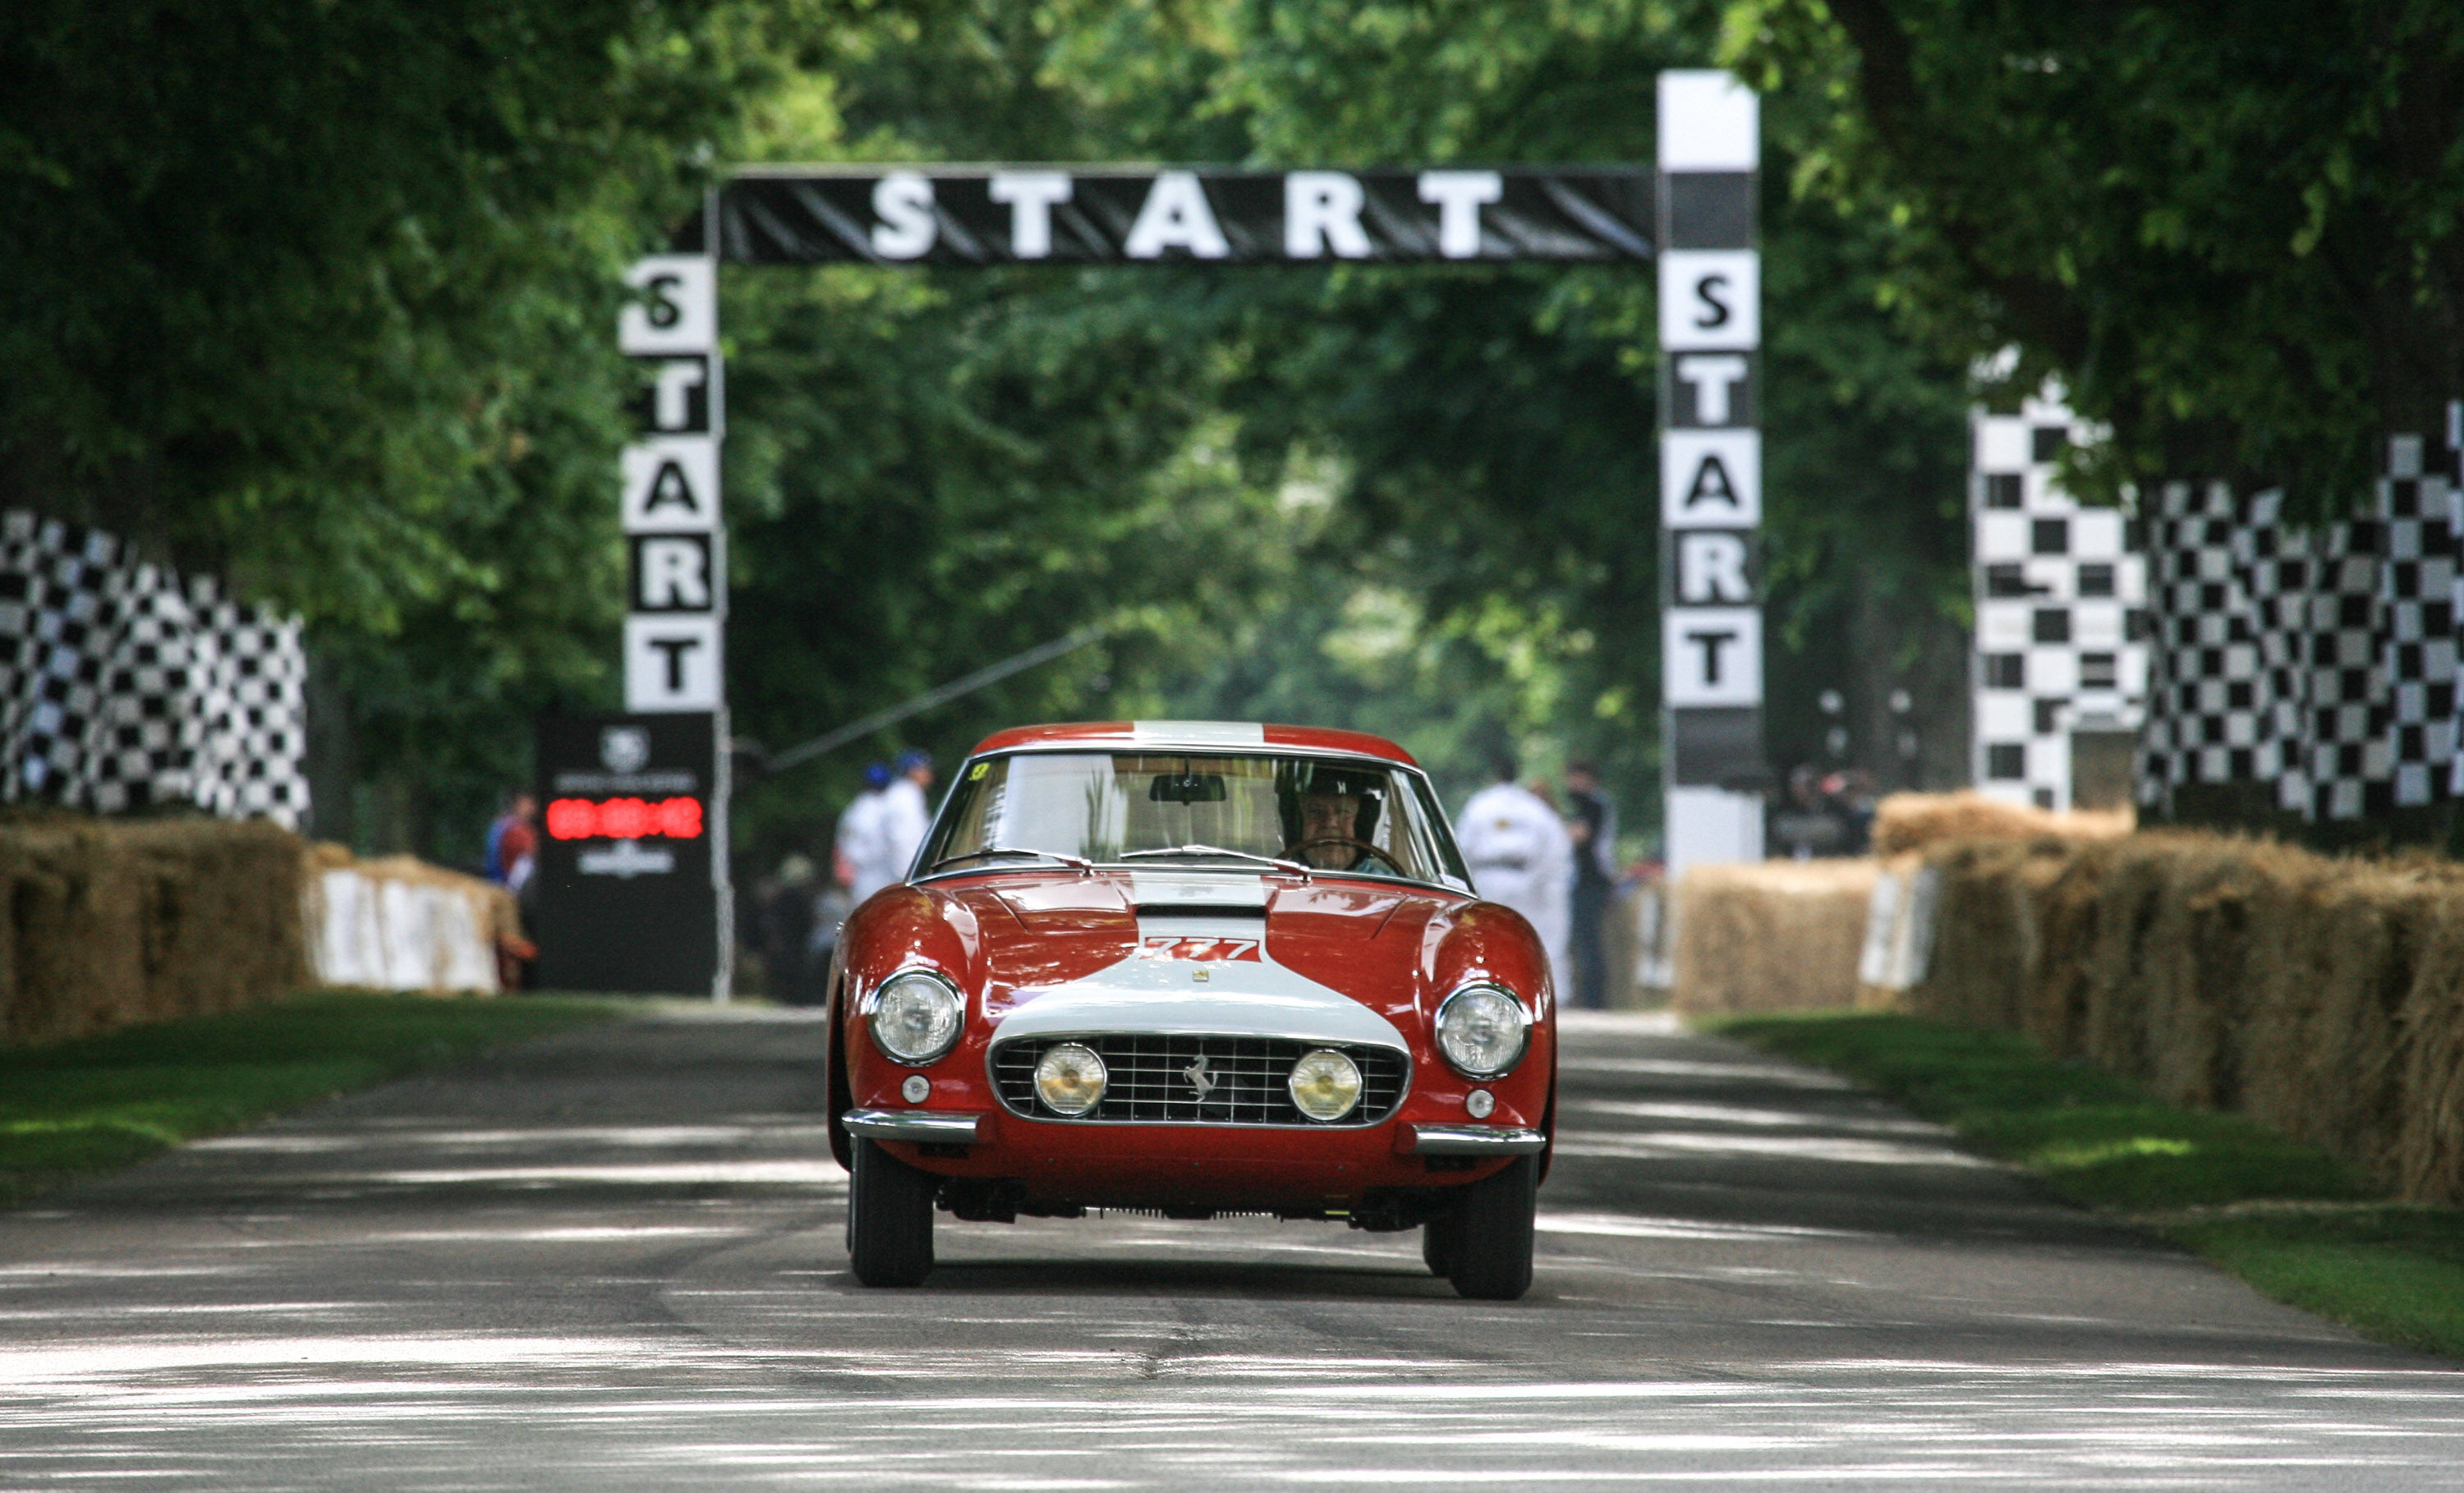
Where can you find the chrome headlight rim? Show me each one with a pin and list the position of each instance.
(1522, 1021)
(1319, 1055)
(924, 1057)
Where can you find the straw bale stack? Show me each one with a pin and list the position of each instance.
(2429, 1159)
(104, 922)
(1904, 822)
(2325, 997)
(1782, 936)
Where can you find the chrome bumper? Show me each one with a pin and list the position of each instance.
(940, 1128)
(1476, 1141)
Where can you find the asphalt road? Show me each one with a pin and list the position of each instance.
(612, 1261)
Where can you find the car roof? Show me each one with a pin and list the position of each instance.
(1194, 736)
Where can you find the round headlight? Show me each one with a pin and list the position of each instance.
(1070, 1079)
(1326, 1084)
(1482, 1030)
(916, 1017)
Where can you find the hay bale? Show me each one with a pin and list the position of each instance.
(2068, 912)
(2328, 1054)
(109, 922)
(1778, 936)
(2323, 995)
(2427, 1161)
(1905, 822)
(1985, 930)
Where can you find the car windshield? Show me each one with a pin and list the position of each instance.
(1240, 812)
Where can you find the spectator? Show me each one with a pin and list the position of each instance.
(512, 856)
(1592, 832)
(786, 934)
(513, 842)
(830, 912)
(1518, 855)
(1810, 821)
(858, 854)
(905, 813)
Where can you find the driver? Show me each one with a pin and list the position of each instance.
(1330, 835)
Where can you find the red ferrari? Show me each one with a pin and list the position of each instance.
(1192, 968)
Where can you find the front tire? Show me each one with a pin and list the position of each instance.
(889, 1218)
(1440, 1242)
(1492, 1233)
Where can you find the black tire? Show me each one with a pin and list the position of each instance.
(889, 1218)
(1492, 1258)
(1441, 1242)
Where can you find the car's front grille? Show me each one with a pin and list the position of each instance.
(1160, 1080)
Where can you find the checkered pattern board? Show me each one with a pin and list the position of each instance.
(254, 704)
(2417, 600)
(121, 689)
(2059, 588)
(2205, 703)
(140, 744)
(2322, 661)
(60, 595)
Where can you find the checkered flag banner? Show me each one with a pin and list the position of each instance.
(2417, 648)
(2323, 662)
(254, 705)
(123, 689)
(2203, 705)
(2058, 590)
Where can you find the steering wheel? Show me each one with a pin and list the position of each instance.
(1299, 852)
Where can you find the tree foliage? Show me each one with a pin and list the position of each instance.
(315, 297)
(2236, 232)
(319, 296)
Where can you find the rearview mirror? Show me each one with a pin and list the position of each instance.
(1186, 788)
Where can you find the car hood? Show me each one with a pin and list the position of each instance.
(1328, 959)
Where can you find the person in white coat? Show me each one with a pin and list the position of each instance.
(860, 852)
(1520, 854)
(905, 814)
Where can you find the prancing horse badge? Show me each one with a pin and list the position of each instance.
(1200, 1076)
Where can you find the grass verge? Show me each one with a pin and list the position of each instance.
(97, 1104)
(2284, 1216)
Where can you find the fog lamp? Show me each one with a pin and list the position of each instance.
(1325, 1085)
(1070, 1079)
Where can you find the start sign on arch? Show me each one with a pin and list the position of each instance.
(1694, 218)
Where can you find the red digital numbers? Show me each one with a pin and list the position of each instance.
(624, 819)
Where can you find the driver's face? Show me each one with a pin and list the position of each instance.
(1328, 816)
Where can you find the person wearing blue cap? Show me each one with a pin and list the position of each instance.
(860, 856)
(904, 815)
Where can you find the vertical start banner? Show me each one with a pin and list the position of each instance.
(1710, 468)
(677, 593)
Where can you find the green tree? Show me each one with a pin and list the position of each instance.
(315, 297)
(1503, 419)
(2237, 232)
(1461, 546)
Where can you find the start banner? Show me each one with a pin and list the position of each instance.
(994, 215)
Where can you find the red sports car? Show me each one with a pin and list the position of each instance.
(1192, 968)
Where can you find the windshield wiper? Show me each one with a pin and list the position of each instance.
(1079, 861)
(1277, 861)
